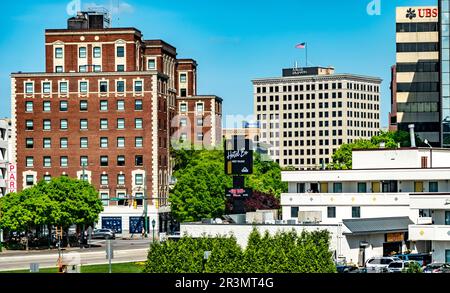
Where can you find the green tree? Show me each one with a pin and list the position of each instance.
(413, 268)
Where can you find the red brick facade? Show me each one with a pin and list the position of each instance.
(147, 103)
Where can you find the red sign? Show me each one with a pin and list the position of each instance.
(428, 12)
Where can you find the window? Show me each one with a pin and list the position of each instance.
(120, 105)
(356, 212)
(84, 142)
(183, 122)
(29, 161)
(29, 88)
(97, 52)
(120, 179)
(63, 161)
(83, 124)
(183, 137)
(138, 141)
(199, 121)
(183, 107)
(97, 68)
(83, 105)
(47, 125)
(138, 123)
(46, 106)
(63, 106)
(63, 87)
(47, 162)
(433, 187)
(120, 51)
(337, 187)
(151, 64)
(29, 106)
(83, 161)
(47, 178)
(58, 53)
(83, 87)
(301, 188)
(46, 87)
(294, 212)
(82, 68)
(104, 179)
(47, 143)
(362, 187)
(183, 92)
(105, 198)
(200, 136)
(58, 69)
(63, 142)
(29, 143)
(121, 142)
(29, 180)
(199, 107)
(103, 142)
(138, 105)
(121, 160)
(103, 123)
(331, 212)
(183, 78)
(29, 125)
(120, 123)
(138, 86)
(103, 86)
(104, 161)
(120, 86)
(82, 52)
(121, 68)
(138, 160)
(139, 179)
(63, 124)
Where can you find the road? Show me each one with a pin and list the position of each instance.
(124, 251)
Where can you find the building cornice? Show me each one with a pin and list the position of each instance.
(314, 78)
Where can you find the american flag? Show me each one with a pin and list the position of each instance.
(301, 46)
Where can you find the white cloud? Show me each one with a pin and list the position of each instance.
(114, 7)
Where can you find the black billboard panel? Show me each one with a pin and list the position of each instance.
(238, 162)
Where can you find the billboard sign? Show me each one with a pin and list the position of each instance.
(238, 162)
(238, 192)
(12, 177)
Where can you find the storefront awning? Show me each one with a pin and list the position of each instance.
(377, 225)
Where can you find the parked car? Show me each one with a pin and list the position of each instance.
(432, 267)
(103, 234)
(444, 269)
(346, 268)
(399, 266)
(422, 258)
(379, 264)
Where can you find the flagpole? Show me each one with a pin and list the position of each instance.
(306, 47)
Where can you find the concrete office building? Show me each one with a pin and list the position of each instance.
(417, 72)
(307, 113)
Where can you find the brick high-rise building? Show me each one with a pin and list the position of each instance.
(103, 108)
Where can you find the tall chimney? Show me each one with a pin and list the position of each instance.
(412, 136)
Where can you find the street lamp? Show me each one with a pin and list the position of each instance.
(153, 226)
(431, 152)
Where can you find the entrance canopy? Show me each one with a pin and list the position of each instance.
(377, 225)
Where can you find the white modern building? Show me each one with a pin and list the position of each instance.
(391, 201)
(5, 134)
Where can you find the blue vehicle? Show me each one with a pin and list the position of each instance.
(422, 258)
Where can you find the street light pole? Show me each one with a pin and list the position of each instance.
(145, 205)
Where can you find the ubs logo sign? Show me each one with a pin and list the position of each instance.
(422, 13)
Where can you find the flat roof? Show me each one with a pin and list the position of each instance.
(338, 76)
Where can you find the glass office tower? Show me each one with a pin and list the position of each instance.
(444, 11)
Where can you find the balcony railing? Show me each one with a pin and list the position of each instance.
(429, 232)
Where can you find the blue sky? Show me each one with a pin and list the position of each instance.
(233, 41)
